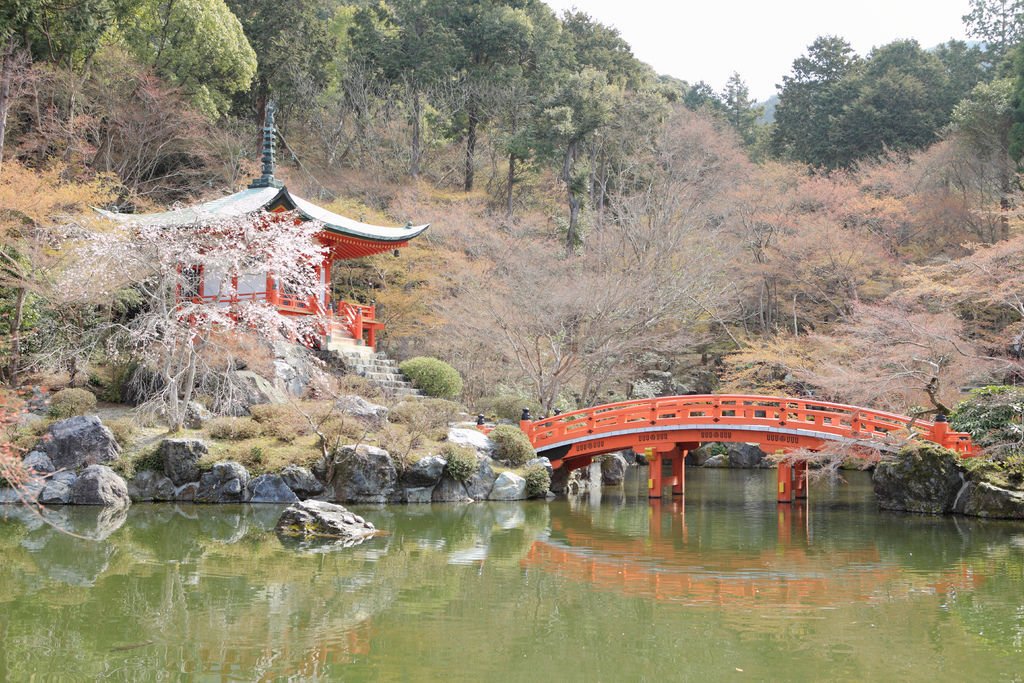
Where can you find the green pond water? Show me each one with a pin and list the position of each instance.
(724, 586)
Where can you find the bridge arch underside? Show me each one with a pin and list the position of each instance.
(581, 451)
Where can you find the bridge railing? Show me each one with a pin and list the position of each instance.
(735, 410)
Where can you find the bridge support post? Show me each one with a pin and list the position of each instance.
(800, 483)
(653, 473)
(678, 472)
(785, 482)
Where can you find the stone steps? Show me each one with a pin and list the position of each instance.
(374, 366)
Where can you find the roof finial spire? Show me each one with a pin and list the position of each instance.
(269, 138)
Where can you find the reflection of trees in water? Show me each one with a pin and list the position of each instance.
(449, 582)
(200, 588)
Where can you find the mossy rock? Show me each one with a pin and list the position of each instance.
(922, 477)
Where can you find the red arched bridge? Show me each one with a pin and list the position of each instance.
(666, 428)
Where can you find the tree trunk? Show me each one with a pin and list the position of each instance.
(592, 177)
(14, 367)
(6, 74)
(574, 201)
(471, 146)
(188, 389)
(414, 161)
(1004, 203)
(510, 184)
(574, 217)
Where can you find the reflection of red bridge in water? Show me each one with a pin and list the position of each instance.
(667, 428)
(787, 575)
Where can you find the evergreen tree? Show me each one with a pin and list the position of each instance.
(901, 101)
(810, 100)
(741, 112)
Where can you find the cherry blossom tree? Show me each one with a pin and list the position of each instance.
(177, 334)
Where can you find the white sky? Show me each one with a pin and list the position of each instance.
(709, 39)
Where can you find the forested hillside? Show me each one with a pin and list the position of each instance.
(598, 230)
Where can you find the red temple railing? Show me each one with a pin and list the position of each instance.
(360, 320)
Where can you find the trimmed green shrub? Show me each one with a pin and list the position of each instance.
(509, 407)
(511, 445)
(433, 376)
(462, 461)
(233, 428)
(538, 481)
(71, 402)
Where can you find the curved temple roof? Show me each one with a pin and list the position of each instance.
(268, 198)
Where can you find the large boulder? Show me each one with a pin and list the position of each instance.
(424, 472)
(301, 481)
(698, 456)
(424, 494)
(560, 481)
(480, 483)
(473, 438)
(357, 406)
(508, 486)
(196, 415)
(581, 480)
(79, 442)
(225, 483)
(181, 459)
(613, 470)
(717, 461)
(314, 519)
(921, 478)
(57, 490)
(29, 493)
(99, 485)
(39, 462)
(984, 499)
(745, 455)
(250, 390)
(271, 488)
(294, 367)
(363, 474)
(147, 486)
(449, 490)
(186, 493)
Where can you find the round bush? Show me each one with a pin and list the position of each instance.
(511, 445)
(71, 402)
(433, 377)
(538, 481)
(462, 462)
